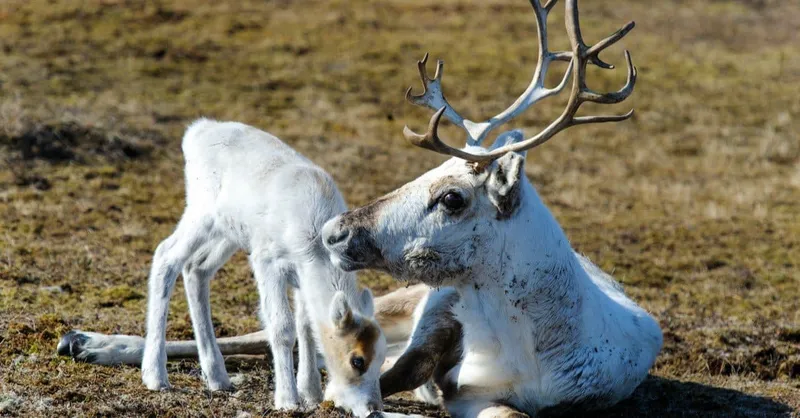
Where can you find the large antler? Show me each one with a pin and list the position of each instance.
(580, 56)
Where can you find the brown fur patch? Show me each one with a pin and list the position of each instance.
(366, 215)
(439, 185)
(394, 312)
(365, 340)
(356, 338)
(400, 304)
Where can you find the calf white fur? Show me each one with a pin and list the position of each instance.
(247, 190)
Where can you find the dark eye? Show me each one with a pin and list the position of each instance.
(453, 201)
(357, 363)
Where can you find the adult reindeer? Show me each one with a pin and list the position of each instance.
(245, 189)
(533, 325)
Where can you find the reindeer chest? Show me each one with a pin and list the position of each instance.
(495, 359)
(507, 357)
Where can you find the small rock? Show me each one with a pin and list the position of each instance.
(44, 404)
(243, 414)
(52, 289)
(9, 402)
(238, 379)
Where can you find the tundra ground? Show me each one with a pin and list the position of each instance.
(694, 205)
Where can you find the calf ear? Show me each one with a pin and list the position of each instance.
(504, 183)
(367, 303)
(341, 313)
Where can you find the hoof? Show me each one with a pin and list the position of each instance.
(310, 396)
(71, 344)
(221, 387)
(287, 405)
(155, 381)
(157, 386)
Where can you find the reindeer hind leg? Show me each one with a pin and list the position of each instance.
(309, 380)
(168, 259)
(272, 276)
(197, 274)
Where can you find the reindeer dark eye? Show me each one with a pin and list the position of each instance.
(358, 363)
(453, 201)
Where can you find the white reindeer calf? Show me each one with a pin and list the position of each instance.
(245, 189)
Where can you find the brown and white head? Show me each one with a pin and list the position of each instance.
(470, 217)
(355, 349)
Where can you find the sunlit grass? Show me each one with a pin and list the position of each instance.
(694, 205)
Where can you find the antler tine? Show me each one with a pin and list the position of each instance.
(589, 95)
(431, 141)
(432, 94)
(580, 56)
(433, 97)
(594, 51)
(536, 91)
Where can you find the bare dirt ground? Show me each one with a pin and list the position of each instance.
(694, 205)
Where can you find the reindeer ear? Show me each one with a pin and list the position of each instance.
(503, 184)
(367, 303)
(341, 314)
(507, 138)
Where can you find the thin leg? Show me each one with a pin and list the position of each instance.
(309, 381)
(197, 274)
(96, 348)
(170, 255)
(272, 277)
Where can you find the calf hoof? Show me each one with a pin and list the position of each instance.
(286, 402)
(155, 381)
(311, 394)
(221, 385)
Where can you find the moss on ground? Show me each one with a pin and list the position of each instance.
(694, 205)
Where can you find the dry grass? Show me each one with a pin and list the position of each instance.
(694, 205)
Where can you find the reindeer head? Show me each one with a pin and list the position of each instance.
(354, 349)
(453, 222)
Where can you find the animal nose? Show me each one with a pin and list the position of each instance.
(337, 236)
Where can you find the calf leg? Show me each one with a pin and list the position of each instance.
(168, 259)
(197, 273)
(309, 381)
(272, 277)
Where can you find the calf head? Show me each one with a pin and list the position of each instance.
(354, 350)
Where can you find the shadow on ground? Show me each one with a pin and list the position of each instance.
(655, 397)
(660, 397)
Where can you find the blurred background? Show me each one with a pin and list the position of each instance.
(693, 205)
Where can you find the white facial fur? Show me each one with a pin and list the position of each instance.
(420, 236)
